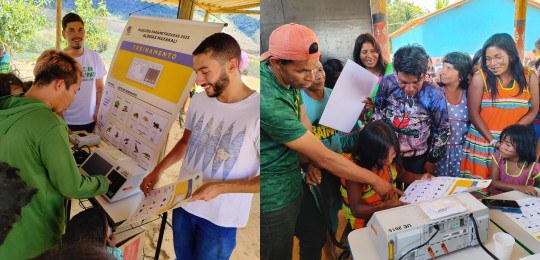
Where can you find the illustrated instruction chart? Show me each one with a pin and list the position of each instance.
(150, 76)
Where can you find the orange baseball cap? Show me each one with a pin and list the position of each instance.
(291, 42)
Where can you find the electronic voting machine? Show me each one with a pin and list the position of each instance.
(399, 233)
(123, 172)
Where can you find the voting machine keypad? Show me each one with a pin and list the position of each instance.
(117, 180)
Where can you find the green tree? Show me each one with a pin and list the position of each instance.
(19, 20)
(441, 4)
(399, 12)
(97, 34)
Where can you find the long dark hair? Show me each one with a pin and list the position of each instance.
(505, 42)
(373, 144)
(89, 226)
(331, 67)
(476, 57)
(360, 40)
(8, 80)
(524, 140)
(463, 64)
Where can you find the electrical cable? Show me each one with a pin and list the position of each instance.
(77, 148)
(478, 238)
(88, 148)
(146, 7)
(193, 1)
(80, 154)
(206, 10)
(422, 245)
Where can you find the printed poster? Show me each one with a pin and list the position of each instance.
(149, 79)
(165, 198)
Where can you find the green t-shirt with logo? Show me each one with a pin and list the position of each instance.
(281, 181)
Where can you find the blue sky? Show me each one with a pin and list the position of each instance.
(430, 4)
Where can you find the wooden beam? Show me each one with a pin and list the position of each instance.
(186, 10)
(206, 14)
(246, 6)
(228, 6)
(233, 11)
(380, 26)
(207, 6)
(213, 8)
(519, 26)
(58, 24)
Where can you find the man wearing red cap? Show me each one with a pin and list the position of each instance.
(286, 68)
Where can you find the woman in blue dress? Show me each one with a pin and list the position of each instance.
(455, 76)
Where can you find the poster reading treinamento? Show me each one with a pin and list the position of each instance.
(149, 79)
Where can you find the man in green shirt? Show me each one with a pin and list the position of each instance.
(288, 66)
(33, 139)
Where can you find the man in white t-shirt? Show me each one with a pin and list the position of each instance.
(82, 113)
(221, 140)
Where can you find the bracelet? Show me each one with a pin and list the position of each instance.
(493, 142)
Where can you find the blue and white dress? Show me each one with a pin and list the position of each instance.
(458, 117)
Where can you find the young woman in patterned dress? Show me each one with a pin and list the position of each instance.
(455, 75)
(501, 93)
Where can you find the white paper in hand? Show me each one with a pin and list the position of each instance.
(345, 104)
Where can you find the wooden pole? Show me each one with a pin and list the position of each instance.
(380, 26)
(58, 24)
(519, 26)
(206, 14)
(187, 7)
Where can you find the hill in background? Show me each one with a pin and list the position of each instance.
(247, 26)
(244, 28)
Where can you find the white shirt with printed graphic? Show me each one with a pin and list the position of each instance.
(81, 111)
(224, 145)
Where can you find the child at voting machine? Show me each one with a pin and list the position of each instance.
(514, 166)
(377, 148)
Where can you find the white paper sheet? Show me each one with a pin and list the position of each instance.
(442, 207)
(345, 104)
(424, 190)
(438, 187)
(530, 217)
